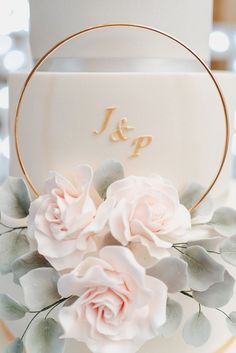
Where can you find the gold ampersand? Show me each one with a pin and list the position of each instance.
(119, 133)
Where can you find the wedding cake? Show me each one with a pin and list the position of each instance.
(128, 95)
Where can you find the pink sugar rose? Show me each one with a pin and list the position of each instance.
(118, 308)
(145, 213)
(61, 220)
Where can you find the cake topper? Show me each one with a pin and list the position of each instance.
(108, 249)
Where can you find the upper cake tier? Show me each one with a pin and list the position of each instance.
(55, 19)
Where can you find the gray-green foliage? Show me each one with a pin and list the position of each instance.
(15, 346)
(228, 250)
(224, 221)
(231, 323)
(109, 172)
(40, 288)
(12, 246)
(14, 198)
(44, 337)
(217, 295)
(203, 270)
(173, 272)
(26, 263)
(197, 330)
(174, 314)
(10, 309)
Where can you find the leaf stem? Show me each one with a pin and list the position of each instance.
(186, 293)
(10, 229)
(177, 248)
(213, 252)
(49, 312)
(221, 311)
(52, 306)
(49, 306)
(27, 327)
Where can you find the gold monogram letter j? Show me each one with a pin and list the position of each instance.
(108, 114)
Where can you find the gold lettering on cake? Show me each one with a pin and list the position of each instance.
(106, 120)
(139, 143)
(119, 133)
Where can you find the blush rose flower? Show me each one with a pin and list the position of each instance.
(118, 307)
(61, 220)
(146, 212)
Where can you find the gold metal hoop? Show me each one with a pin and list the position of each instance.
(129, 25)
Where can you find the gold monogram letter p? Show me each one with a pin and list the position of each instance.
(139, 143)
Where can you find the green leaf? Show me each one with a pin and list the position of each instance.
(217, 295)
(40, 288)
(224, 221)
(12, 246)
(14, 347)
(44, 337)
(204, 210)
(228, 250)
(10, 309)
(12, 222)
(26, 263)
(197, 330)
(211, 244)
(14, 198)
(109, 172)
(231, 323)
(172, 271)
(174, 314)
(203, 270)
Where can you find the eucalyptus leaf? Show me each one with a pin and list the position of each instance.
(44, 337)
(40, 288)
(204, 210)
(231, 323)
(15, 346)
(12, 222)
(10, 309)
(174, 314)
(12, 246)
(173, 272)
(211, 244)
(217, 295)
(197, 330)
(26, 263)
(203, 270)
(14, 198)
(224, 221)
(228, 250)
(109, 172)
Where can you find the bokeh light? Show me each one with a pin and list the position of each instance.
(219, 41)
(4, 147)
(5, 44)
(4, 98)
(14, 60)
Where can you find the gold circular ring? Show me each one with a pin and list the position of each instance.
(129, 25)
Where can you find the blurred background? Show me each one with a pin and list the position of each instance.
(15, 54)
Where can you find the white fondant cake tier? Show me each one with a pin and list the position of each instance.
(177, 120)
(55, 19)
(179, 111)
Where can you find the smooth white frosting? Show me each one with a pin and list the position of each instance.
(55, 19)
(56, 133)
(181, 112)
